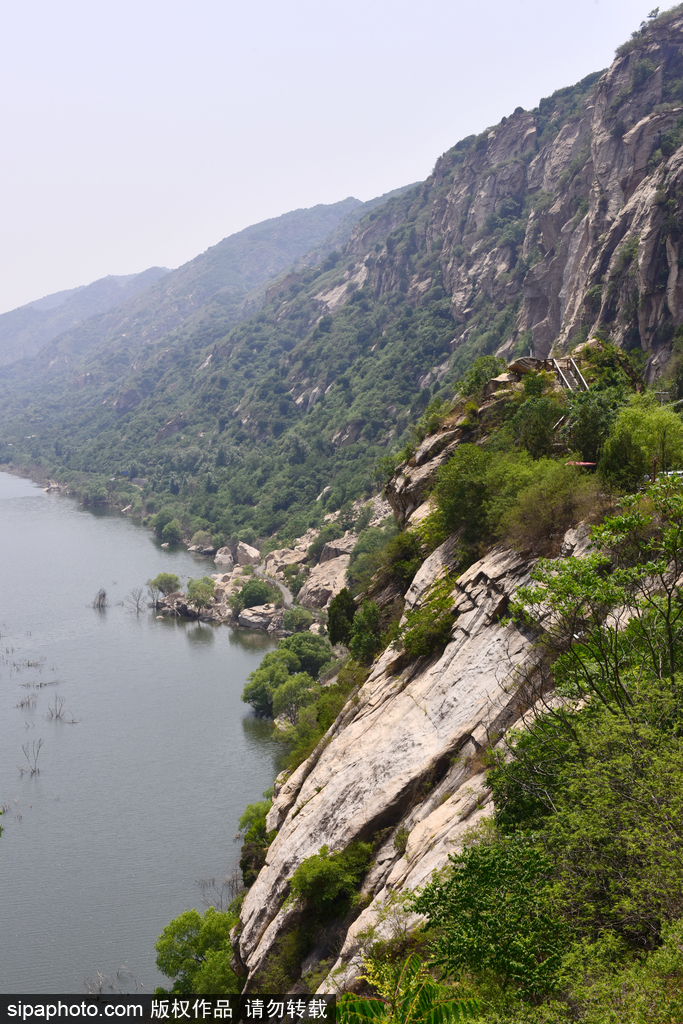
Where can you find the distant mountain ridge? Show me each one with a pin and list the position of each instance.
(24, 331)
(213, 291)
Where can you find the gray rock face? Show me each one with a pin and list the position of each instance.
(408, 734)
(334, 548)
(324, 582)
(258, 617)
(224, 559)
(246, 555)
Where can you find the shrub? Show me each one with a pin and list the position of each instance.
(477, 377)
(312, 651)
(428, 627)
(172, 532)
(295, 693)
(202, 538)
(340, 617)
(195, 951)
(297, 620)
(200, 593)
(273, 671)
(328, 881)
(366, 641)
(166, 582)
(255, 592)
(643, 432)
(558, 497)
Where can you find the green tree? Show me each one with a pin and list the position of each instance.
(408, 995)
(166, 582)
(366, 638)
(172, 532)
(195, 951)
(328, 881)
(340, 617)
(644, 437)
(200, 592)
(297, 691)
(494, 915)
(312, 651)
(297, 620)
(272, 673)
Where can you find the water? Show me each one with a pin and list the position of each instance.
(141, 797)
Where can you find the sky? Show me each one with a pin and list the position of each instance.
(137, 134)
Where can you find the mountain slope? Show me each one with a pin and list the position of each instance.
(25, 330)
(553, 224)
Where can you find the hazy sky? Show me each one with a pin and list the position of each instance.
(139, 133)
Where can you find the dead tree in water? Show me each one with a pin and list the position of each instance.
(100, 599)
(31, 754)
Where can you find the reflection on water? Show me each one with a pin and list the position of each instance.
(143, 795)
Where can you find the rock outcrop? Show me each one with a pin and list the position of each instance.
(324, 582)
(405, 756)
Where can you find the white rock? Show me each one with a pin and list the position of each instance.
(247, 555)
(324, 582)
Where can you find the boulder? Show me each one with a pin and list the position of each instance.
(342, 546)
(246, 555)
(224, 557)
(325, 582)
(258, 617)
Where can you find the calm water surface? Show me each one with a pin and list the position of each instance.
(141, 797)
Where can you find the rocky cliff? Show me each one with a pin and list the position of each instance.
(402, 762)
(553, 224)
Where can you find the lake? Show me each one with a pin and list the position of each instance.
(139, 799)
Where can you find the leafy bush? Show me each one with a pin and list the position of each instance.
(558, 497)
(255, 592)
(195, 951)
(166, 582)
(428, 627)
(340, 617)
(644, 435)
(172, 532)
(272, 673)
(472, 383)
(494, 913)
(366, 639)
(200, 593)
(328, 881)
(297, 692)
(297, 620)
(202, 538)
(312, 651)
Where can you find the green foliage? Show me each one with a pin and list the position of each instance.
(472, 383)
(591, 416)
(428, 626)
(297, 692)
(535, 422)
(369, 554)
(195, 951)
(408, 995)
(172, 532)
(166, 582)
(328, 881)
(644, 436)
(297, 620)
(259, 591)
(495, 916)
(340, 617)
(366, 640)
(202, 539)
(200, 592)
(312, 651)
(272, 673)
